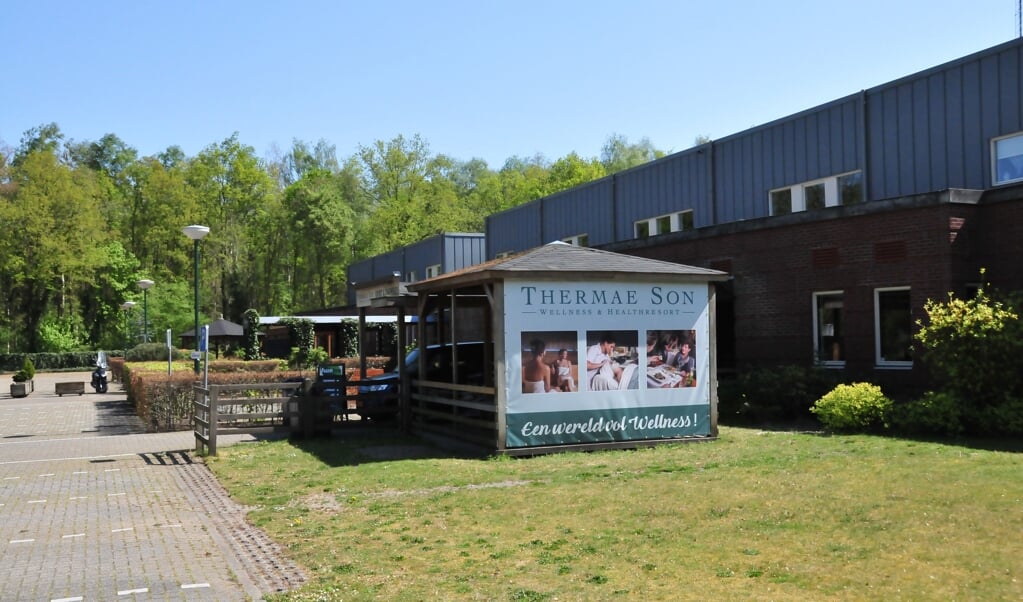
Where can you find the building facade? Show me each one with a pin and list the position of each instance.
(836, 224)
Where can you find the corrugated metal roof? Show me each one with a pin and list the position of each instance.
(556, 258)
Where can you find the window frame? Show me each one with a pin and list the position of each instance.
(678, 221)
(579, 240)
(797, 193)
(994, 160)
(432, 271)
(879, 362)
(817, 335)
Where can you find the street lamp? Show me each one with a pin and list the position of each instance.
(145, 285)
(126, 306)
(196, 233)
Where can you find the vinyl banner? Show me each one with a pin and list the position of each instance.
(592, 362)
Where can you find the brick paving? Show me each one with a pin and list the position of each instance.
(93, 508)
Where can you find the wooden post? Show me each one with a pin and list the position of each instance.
(213, 397)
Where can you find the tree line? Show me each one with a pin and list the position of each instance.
(83, 221)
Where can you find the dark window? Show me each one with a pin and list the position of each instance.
(781, 202)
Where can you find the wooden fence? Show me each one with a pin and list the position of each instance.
(244, 408)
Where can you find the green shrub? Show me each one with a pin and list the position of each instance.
(27, 372)
(936, 413)
(858, 406)
(776, 393)
(974, 349)
(151, 352)
(70, 360)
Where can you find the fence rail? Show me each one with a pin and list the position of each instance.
(243, 408)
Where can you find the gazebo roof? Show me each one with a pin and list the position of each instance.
(557, 259)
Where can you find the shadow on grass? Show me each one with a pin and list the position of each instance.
(352, 445)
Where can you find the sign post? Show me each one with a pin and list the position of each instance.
(204, 349)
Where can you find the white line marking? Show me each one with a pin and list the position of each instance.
(59, 459)
(37, 501)
(172, 526)
(80, 472)
(115, 494)
(112, 470)
(74, 535)
(11, 478)
(194, 585)
(21, 541)
(123, 530)
(75, 599)
(128, 592)
(49, 474)
(157, 491)
(79, 497)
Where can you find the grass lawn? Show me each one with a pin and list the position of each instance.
(755, 515)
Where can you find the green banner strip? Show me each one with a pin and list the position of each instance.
(599, 426)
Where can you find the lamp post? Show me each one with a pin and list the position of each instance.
(196, 233)
(126, 306)
(145, 285)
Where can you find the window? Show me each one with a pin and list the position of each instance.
(1008, 159)
(893, 326)
(664, 224)
(828, 344)
(579, 240)
(502, 254)
(850, 188)
(844, 189)
(411, 276)
(813, 196)
(433, 270)
(781, 201)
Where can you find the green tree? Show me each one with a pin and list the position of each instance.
(52, 233)
(231, 186)
(322, 229)
(570, 171)
(618, 155)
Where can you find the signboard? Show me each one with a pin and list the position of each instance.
(204, 343)
(364, 296)
(605, 361)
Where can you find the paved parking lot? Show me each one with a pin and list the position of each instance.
(93, 508)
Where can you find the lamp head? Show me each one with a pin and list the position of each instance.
(145, 283)
(128, 305)
(196, 232)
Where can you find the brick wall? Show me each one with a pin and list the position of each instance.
(931, 248)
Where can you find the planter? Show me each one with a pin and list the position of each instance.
(22, 389)
(69, 388)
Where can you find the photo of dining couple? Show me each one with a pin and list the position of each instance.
(550, 362)
(671, 360)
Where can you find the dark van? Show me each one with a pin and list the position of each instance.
(379, 394)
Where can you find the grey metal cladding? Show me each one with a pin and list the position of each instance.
(462, 249)
(932, 130)
(926, 132)
(585, 209)
(674, 183)
(513, 230)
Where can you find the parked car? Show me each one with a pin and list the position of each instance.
(378, 396)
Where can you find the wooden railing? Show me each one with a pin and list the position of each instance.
(465, 412)
(244, 408)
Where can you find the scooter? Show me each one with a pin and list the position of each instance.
(99, 375)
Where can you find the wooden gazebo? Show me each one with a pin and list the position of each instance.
(566, 301)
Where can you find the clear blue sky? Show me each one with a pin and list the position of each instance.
(489, 79)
